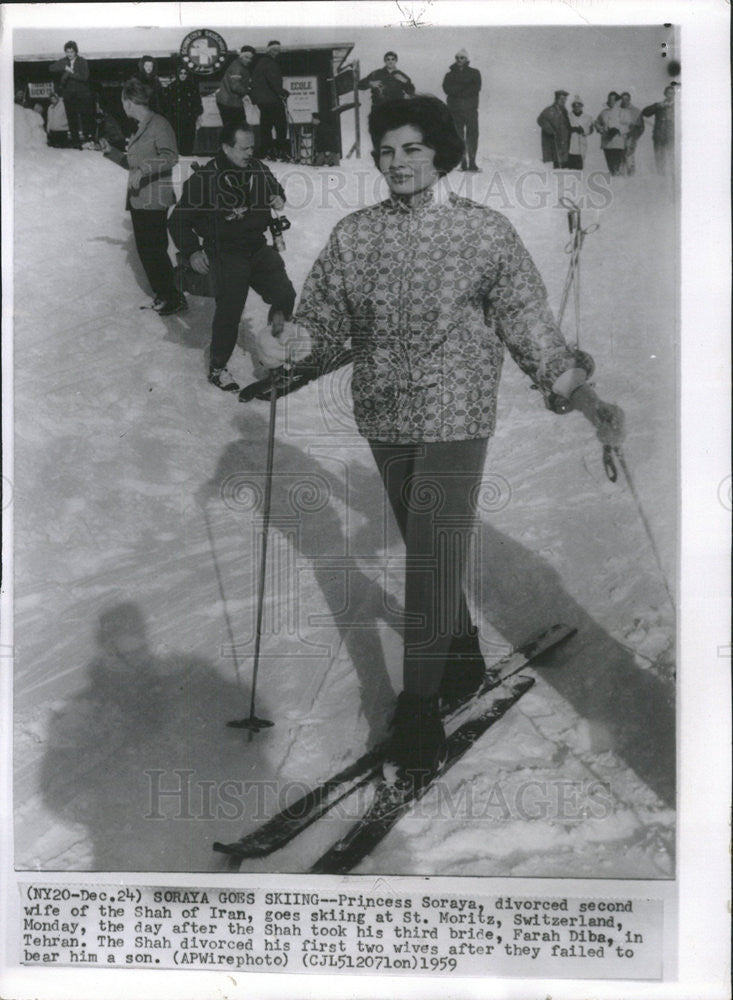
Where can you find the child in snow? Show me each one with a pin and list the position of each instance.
(431, 288)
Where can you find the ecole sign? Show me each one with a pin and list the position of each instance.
(303, 100)
(203, 51)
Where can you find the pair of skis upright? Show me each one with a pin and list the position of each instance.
(464, 725)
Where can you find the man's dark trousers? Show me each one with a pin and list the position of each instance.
(235, 116)
(272, 115)
(151, 242)
(235, 274)
(466, 124)
(80, 115)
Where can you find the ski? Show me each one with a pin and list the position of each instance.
(276, 832)
(392, 801)
(287, 380)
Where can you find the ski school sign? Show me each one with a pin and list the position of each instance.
(203, 51)
(303, 100)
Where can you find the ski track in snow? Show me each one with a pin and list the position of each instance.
(137, 537)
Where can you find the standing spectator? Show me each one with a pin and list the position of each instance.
(428, 350)
(73, 87)
(207, 133)
(613, 128)
(227, 204)
(270, 96)
(634, 122)
(461, 85)
(147, 73)
(581, 126)
(325, 144)
(57, 124)
(234, 87)
(150, 158)
(185, 109)
(387, 83)
(555, 126)
(663, 131)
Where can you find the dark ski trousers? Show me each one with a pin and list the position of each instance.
(615, 159)
(80, 115)
(273, 116)
(149, 226)
(234, 275)
(236, 116)
(466, 125)
(432, 488)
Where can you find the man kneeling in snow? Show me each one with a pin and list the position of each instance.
(227, 204)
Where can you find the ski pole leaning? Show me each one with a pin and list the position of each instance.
(253, 724)
(610, 454)
(573, 248)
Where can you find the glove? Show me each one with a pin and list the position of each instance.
(289, 346)
(610, 424)
(612, 133)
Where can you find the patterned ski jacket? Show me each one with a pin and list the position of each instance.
(430, 293)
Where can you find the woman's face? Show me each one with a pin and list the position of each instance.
(406, 163)
(147, 67)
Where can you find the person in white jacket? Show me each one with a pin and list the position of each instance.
(581, 126)
(613, 126)
(57, 124)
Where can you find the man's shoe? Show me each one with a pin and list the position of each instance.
(158, 302)
(222, 379)
(173, 306)
(417, 746)
(473, 169)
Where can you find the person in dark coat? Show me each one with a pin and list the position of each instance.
(106, 127)
(73, 87)
(270, 96)
(234, 87)
(555, 126)
(325, 144)
(183, 102)
(387, 83)
(663, 131)
(219, 223)
(462, 84)
(150, 158)
(147, 73)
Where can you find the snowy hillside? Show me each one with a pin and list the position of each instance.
(137, 488)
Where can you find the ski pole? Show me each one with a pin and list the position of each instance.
(610, 466)
(252, 723)
(573, 276)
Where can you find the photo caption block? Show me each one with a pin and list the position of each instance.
(558, 937)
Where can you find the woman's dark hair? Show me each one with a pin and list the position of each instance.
(251, 48)
(428, 114)
(137, 92)
(613, 93)
(72, 45)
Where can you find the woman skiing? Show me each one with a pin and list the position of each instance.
(431, 288)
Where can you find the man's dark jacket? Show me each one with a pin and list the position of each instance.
(267, 82)
(226, 206)
(77, 84)
(462, 87)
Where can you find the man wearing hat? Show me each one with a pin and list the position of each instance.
(461, 85)
(387, 83)
(555, 126)
(581, 126)
(270, 96)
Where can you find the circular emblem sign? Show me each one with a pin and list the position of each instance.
(203, 51)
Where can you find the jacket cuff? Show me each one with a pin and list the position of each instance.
(566, 384)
